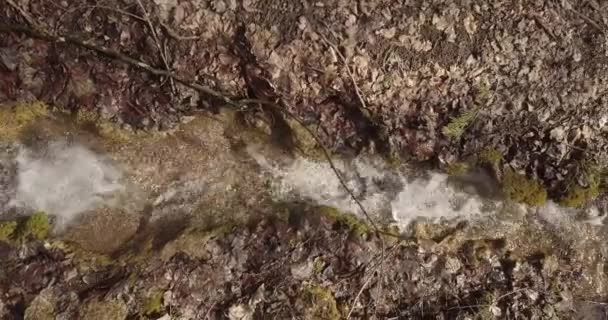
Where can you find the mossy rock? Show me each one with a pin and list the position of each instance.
(520, 188)
(104, 310)
(13, 119)
(490, 156)
(458, 169)
(350, 221)
(320, 304)
(42, 307)
(7, 230)
(108, 131)
(318, 265)
(577, 196)
(305, 141)
(193, 241)
(154, 304)
(37, 226)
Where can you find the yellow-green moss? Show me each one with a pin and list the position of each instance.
(320, 304)
(578, 196)
(458, 169)
(305, 141)
(107, 130)
(7, 230)
(85, 260)
(104, 310)
(490, 156)
(318, 265)
(193, 241)
(354, 224)
(13, 119)
(521, 189)
(37, 226)
(154, 304)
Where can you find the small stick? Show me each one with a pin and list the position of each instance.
(157, 42)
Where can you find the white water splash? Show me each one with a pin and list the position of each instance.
(378, 188)
(382, 190)
(65, 181)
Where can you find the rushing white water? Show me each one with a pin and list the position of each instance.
(377, 187)
(65, 181)
(380, 189)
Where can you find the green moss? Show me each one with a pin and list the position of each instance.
(458, 169)
(86, 260)
(318, 265)
(578, 196)
(193, 241)
(320, 303)
(519, 188)
(490, 156)
(305, 141)
(7, 230)
(154, 304)
(104, 310)
(37, 226)
(354, 224)
(105, 129)
(13, 119)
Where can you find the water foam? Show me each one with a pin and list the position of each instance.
(65, 181)
(380, 189)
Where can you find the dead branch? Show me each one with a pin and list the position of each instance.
(28, 18)
(161, 51)
(173, 34)
(353, 306)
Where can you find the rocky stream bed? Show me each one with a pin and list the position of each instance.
(166, 159)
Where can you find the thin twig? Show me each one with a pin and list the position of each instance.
(587, 19)
(352, 307)
(116, 56)
(163, 56)
(173, 34)
(28, 18)
(348, 70)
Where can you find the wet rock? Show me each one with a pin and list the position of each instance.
(42, 307)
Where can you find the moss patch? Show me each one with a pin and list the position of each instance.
(7, 230)
(154, 304)
(577, 196)
(104, 310)
(105, 129)
(490, 156)
(520, 188)
(458, 169)
(37, 226)
(352, 223)
(193, 241)
(320, 303)
(13, 119)
(318, 265)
